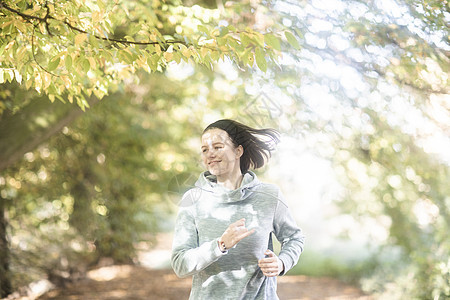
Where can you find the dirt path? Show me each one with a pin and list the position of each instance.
(153, 281)
(136, 282)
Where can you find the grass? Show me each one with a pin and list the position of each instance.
(317, 264)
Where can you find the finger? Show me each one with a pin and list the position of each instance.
(240, 222)
(270, 268)
(266, 262)
(268, 259)
(245, 234)
(269, 253)
(270, 274)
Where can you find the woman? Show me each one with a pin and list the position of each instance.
(223, 232)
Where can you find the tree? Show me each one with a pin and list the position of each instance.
(83, 48)
(79, 51)
(105, 183)
(375, 86)
(355, 74)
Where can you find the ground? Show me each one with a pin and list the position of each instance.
(153, 280)
(137, 282)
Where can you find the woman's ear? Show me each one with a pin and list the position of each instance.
(239, 151)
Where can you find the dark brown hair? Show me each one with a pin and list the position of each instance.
(257, 143)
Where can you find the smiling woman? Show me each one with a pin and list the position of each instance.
(221, 157)
(223, 232)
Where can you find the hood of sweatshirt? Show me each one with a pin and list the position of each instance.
(208, 183)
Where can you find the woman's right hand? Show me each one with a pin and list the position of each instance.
(234, 234)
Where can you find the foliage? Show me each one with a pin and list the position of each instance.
(104, 185)
(73, 50)
(381, 70)
(366, 82)
(80, 197)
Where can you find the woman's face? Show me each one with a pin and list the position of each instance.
(219, 155)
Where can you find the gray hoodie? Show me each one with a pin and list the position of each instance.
(205, 213)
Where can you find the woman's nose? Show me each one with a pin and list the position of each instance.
(211, 153)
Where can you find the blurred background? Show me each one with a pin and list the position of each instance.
(363, 107)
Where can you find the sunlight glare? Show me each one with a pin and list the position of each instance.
(318, 25)
(328, 5)
(180, 71)
(110, 273)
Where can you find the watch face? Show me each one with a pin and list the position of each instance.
(222, 246)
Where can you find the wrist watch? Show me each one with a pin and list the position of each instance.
(221, 245)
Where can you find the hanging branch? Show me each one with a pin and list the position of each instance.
(74, 28)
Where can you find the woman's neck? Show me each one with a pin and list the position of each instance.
(232, 181)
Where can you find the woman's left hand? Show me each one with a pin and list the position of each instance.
(271, 265)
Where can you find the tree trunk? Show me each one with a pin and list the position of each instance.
(24, 129)
(5, 281)
(35, 123)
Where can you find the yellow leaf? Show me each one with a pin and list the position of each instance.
(38, 82)
(28, 83)
(158, 49)
(194, 52)
(51, 7)
(66, 80)
(186, 52)
(168, 56)
(47, 80)
(80, 38)
(10, 74)
(204, 51)
(42, 28)
(10, 44)
(5, 24)
(92, 62)
(95, 17)
(18, 76)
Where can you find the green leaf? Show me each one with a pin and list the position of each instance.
(215, 55)
(258, 38)
(93, 41)
(272, 41)
(223, 31)
(260, 59)
(53, 64)
(202, 28)
(221, 41)
(9, 75)
(68, 62)
(245, 39)
(292, 40)
(2, 48)
(86, 65)
(153, 62)
(176, 57)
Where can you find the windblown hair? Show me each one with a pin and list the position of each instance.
(257, 143)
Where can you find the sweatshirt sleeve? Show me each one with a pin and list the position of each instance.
(289, 235)
(188, 257)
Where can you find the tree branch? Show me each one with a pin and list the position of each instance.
(35, 59)
(74, 28)
(12, 126)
